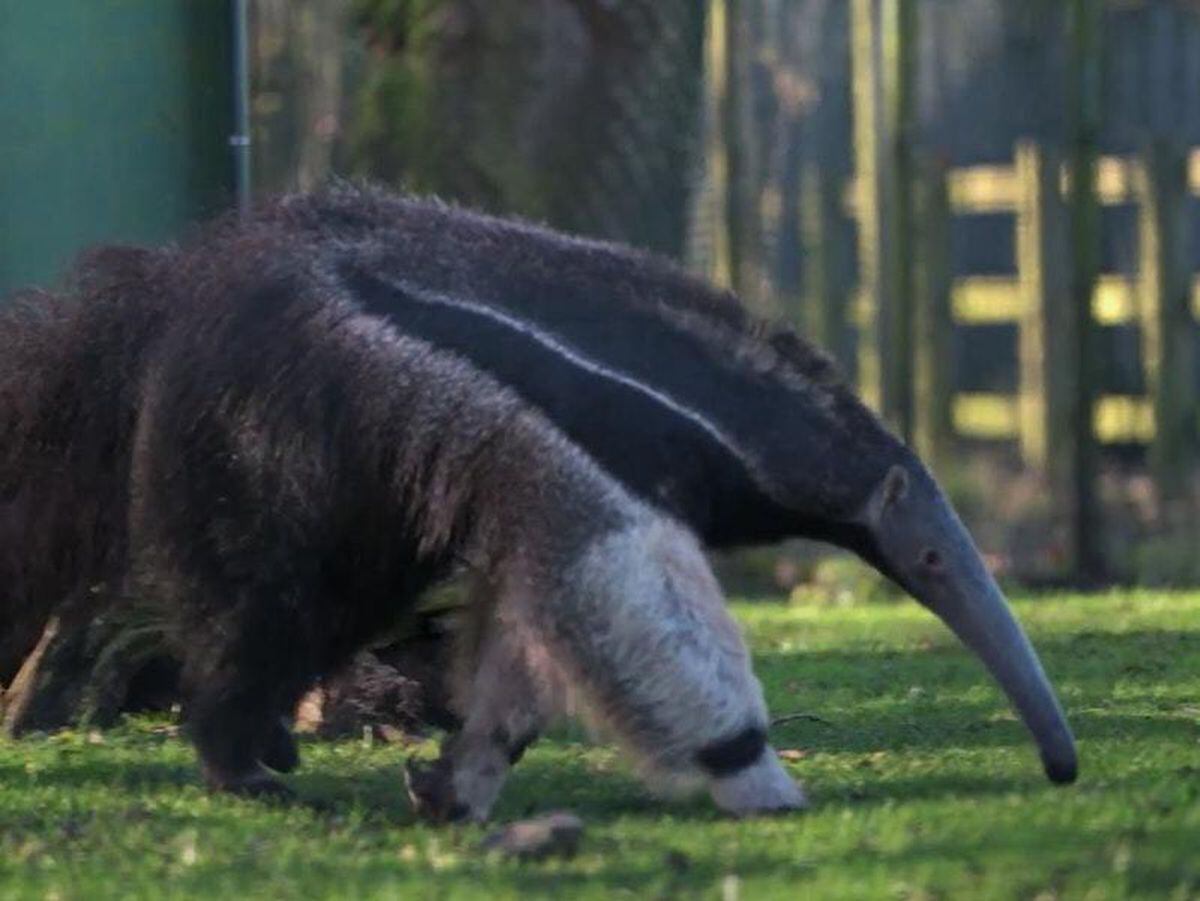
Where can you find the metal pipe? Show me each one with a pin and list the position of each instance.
(239, 141)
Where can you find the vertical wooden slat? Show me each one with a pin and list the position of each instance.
(933, 388)
(1084, 25)
(1167, 327)
(730, 125)
(716, 152)
(824, 284)
(741, 138)
(871, 177)
(882, 54)
(1045, 330)
(899, 48)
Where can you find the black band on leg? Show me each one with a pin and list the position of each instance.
(723, 758)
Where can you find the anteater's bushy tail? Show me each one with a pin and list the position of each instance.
(70, 377)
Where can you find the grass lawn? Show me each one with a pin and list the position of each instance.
(922, 782)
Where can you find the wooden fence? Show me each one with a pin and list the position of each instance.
(777, 183)
(1151, 297)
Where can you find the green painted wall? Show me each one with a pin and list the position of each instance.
(114, 122)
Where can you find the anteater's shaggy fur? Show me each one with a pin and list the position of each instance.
(221, 432)
(69, 394)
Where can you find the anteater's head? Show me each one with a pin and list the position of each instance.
(840, 476)
(909, 532)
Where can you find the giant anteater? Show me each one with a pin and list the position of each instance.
(742, 430)
(222, 431)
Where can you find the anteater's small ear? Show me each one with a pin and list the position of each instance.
(891, 490)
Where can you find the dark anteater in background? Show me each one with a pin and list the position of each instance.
(741, 430)
(223, 432)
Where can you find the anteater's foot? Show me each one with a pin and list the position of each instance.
(255, 784)
(431, 792)
(280, 752)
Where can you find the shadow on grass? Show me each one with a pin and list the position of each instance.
(115, 774)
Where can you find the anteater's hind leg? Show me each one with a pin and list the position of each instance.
(502, 716)
(249, 664)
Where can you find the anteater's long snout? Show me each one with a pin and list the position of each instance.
(971, 604)
(986, 625)
(919, 541)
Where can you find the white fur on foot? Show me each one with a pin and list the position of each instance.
(763, 787)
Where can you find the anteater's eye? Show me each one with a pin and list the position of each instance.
(931, 559)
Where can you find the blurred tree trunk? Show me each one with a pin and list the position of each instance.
(775, 122)
(581, 113)
(299, 61)
(320, 45)
(740, 126)
(884, 40)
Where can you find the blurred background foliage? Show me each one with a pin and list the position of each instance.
(574, 112)
(932, 189)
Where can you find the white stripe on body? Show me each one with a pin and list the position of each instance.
(571, 355)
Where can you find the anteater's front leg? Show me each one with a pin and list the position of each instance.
(639, 628)
(637, 631)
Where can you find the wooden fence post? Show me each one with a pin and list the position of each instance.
(716, 89)
(883, 46)
(738, 130)
(824, 317)
(933, 363)
(870, 178)
(1167, 326)
(1085, 22)
(1045, 339)
(899, 27)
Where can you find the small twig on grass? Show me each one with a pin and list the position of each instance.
(792, 717)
